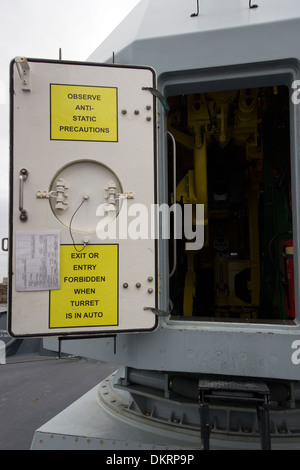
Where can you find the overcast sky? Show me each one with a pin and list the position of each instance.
(36, 28)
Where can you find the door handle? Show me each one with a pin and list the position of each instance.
(23, 177)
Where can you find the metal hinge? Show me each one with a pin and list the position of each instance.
(24, 72)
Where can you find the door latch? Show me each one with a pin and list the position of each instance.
(59, 194)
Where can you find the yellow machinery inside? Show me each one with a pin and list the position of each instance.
(233, 156)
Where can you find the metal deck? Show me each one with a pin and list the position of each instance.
(34, 389)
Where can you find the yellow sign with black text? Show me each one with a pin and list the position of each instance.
(89, 288)
(83, 113)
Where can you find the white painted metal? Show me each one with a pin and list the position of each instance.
(86, 167)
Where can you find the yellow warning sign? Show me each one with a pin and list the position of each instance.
(89, 288)
(86, 113)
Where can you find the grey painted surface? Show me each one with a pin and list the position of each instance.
(34, 389)
(199, 53)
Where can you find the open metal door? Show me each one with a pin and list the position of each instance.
(82, 192)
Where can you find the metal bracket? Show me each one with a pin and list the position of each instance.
(110, 192)
(158, 95)
(198, 10)
(24, 72)
(156, 311)
(112, 196)
(252, 6)
(59, 194)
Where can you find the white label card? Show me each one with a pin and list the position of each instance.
(38, 260)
